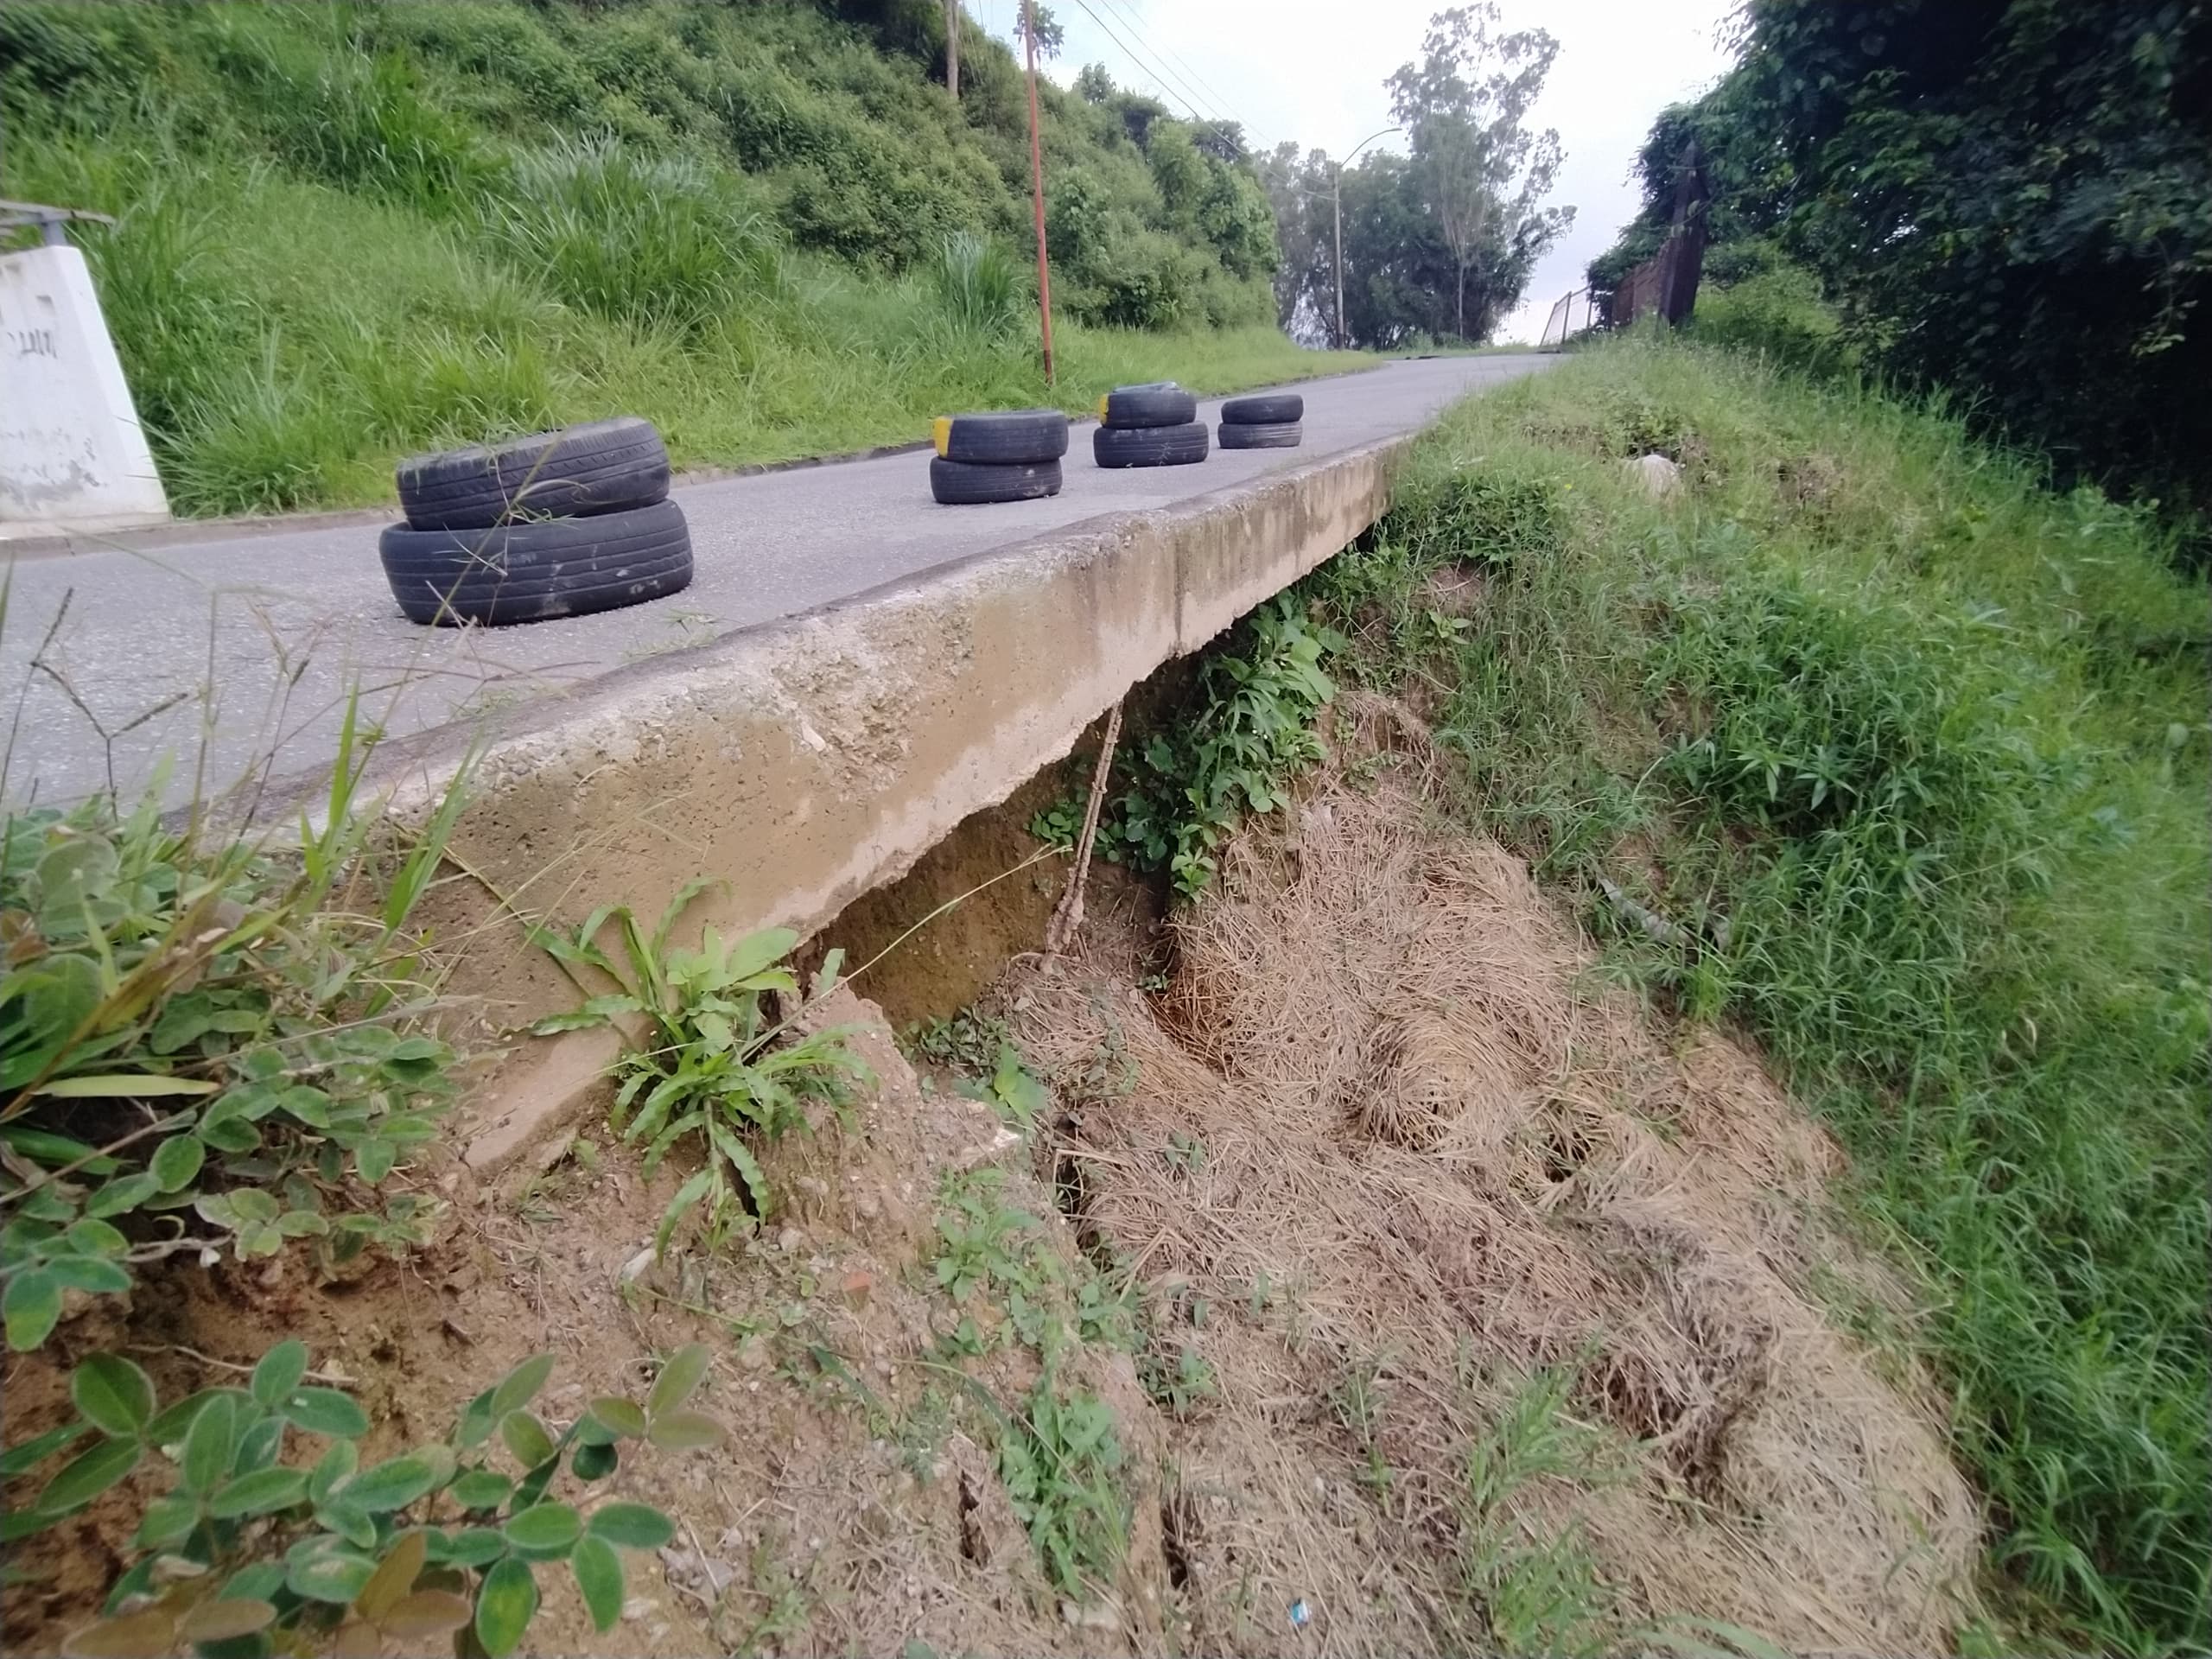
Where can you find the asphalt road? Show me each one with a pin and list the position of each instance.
(282, 626)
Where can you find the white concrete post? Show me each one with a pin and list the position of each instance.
(72, 452)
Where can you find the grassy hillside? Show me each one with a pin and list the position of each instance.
(352, 231)
(1912, 755)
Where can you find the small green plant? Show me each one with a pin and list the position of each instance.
(967, 1043)
(1105, 1309)
(991, 1251)
(1186, 787)
(1058, 825)
(1061, 1465)
(1543, 1597)
(1181, 1383)
(206, 1046)
(242, 1548)
(983, 1238)
(1186, 1154)
(709, 1066)
(1015, 1090)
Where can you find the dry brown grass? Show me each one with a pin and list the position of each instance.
(1437, 1161)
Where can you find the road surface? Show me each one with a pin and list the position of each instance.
(107, 654)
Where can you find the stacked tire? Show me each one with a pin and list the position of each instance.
(1010, 454)
(559, 524)
(1153, 425)
(1271, 420)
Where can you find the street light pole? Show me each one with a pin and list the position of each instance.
(1336, 199)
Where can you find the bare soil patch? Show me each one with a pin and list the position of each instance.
(854, 1504)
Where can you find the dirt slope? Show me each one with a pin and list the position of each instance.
(1517, 1324)
(1379, 1284)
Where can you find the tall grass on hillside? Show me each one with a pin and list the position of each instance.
(286, 341)
(1916, 754)
(349, 233)
(976, 282)
(659, 242)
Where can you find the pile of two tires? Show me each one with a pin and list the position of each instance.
(1271, 420)
(559, 524)
(1154, 425)
(1005, 456)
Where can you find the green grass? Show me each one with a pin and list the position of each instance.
(1918, 752)
(349, 233)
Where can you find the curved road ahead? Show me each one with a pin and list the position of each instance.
(282, 624)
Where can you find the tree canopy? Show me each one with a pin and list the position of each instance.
(2012, 198)
(1439, 242)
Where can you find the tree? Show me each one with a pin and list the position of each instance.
(1463, 104)
(1092, 84)
(2012, 198)
(1297, 190)
(1050, 34)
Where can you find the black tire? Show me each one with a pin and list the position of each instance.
(1266, 409)
(1136, 407)
(966, 484)
(537, 571)
(1150, 446)
(604, 467)
(993, 439)
(1279, 434)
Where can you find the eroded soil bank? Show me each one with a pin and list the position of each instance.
(1365, 1278)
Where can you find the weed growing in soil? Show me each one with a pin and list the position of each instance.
(709, 1066)
(1911, 757)
(1179, 1383)
(1061, 1465)
(207, 1045)
(967, 1043)
(990, 1068)
(1546, 1596)
(1250, 731)
(243, 1548)
(985, 1240)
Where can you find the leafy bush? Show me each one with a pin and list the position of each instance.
(203, 1046)
(1779, 312)
(709, 1066)
(657, 242)
(242, 1549)
(1250, 730)
(2007, 201)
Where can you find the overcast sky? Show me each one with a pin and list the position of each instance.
(1312, 70)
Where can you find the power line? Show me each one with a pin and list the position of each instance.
(1144, 67)
(1175, 58)
(1191, 96)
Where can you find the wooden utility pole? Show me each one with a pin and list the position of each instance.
(952, 47)
(1037, 184)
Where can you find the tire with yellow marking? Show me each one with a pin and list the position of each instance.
(1001, 436)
